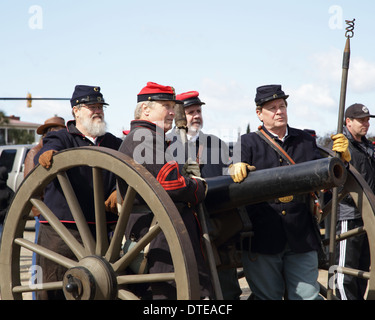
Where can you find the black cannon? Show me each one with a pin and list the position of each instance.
(263, 185)
(229, 224)
(100, 268)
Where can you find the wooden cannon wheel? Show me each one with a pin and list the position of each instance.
(99, 270)
(364, 199)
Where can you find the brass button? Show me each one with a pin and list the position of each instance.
(283, 212)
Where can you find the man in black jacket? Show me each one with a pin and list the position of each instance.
(87, 129)
(211, 155)
(145, 143)
(283, 255)
(354, 252)
(210, 152)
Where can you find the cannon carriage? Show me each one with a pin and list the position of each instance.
(101, 268)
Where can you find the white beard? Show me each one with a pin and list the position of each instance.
(194, 130)
(94, 129)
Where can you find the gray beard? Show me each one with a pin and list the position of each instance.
(194, 131)
(94, 129)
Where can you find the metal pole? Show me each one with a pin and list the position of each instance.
(344, 80)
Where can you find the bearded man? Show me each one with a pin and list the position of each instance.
(87, 129)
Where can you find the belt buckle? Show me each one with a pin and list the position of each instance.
(286, 199)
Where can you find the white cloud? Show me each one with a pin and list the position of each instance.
(361, 78)
(229, 108)
(315, 94)
(328, 68)
(312, 106)
(313, 101)
(316, 103)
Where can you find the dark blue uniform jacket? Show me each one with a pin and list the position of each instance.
(80, 177)
(277, 224)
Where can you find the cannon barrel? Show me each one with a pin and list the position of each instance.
(223, 194)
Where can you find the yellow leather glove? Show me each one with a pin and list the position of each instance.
(238, 171)
(341, 145)
(45, 159)
(111, 203)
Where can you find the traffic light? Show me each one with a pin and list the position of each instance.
(29, 99)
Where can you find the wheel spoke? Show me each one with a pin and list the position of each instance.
(100, 218)
(354, 272)
(39, 287)
(75, 208)
(47, 253)
(86, 247)
(126, 207)
(62, 231)
(143, 278)
(123, 262)
(345, 235)
(363, 197)
(126, 295)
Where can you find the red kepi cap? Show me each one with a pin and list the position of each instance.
(157, 92)
(190, 98)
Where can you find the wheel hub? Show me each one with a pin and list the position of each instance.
(92, 279)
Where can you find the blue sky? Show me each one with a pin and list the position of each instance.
(223, 49)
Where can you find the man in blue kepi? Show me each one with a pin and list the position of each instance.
(88, 128)
(282, 261)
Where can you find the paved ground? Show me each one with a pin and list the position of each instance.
(26, 264)
(26, 257)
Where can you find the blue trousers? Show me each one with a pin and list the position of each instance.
(286, 275)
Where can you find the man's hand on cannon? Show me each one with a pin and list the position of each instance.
(341, 145)
(238, 171)
(45, 158)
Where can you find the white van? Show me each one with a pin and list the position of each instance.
(13, 157)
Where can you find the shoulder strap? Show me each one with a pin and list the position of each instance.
(274, 145)
(317, 208)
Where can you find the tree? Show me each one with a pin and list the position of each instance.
(20, 136)
(325, 141)
(3, 118)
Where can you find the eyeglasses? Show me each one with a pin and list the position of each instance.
(100, 107)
